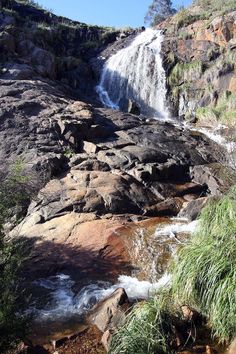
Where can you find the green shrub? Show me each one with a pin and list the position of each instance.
(90, 45)
(147, 328)
(14, 190)
(204, 274)
(34, 4)
(13, 322)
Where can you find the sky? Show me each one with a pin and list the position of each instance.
(114, 13)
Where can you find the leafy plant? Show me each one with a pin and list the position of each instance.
(158, 11)
(69, 153)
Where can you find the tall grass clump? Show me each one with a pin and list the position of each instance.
(204, 274)
(147, 328)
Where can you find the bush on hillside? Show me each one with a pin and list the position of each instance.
(12, 319)
(15, 191)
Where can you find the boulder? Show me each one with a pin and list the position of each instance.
(169, 207)
(90, 148)
(98, 192)
(217, 177)
(108, 313)
(44, 62)
(193, 209)
(133, 108)
(15, 71)
(81, 110)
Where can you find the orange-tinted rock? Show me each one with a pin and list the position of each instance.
(221, 30)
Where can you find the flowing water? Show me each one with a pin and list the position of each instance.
(156, 244)
(153, 249)
(136, 73)
(65, 302)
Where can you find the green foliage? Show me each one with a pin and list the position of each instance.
(69, 153)
(224, 111)
(147, 328)
(204, 274)
(203, 277)
(9, 12)
(158, 11)
(90, 45)
(184, 35)
(13, 192)
(184, 18)
(68, 25)
(185, 72)
(34, 4)
(12, 320)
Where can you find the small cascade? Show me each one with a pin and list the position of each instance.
(136, 73)
(65, 302)
(153, 250)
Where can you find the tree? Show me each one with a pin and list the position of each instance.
(158, 11)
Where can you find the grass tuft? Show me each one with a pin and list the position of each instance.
(147, 328)
(204, 275)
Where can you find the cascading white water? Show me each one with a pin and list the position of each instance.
(65, 303)
(136, 73)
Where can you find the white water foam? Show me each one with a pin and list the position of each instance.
(219, 139)
(171, 230)
(66, 303)
(136, 73)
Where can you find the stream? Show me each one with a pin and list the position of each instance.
(61, 309)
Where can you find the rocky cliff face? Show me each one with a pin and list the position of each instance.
(34, 42)
(200, 56)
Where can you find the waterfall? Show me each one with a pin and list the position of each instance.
(136, 73)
